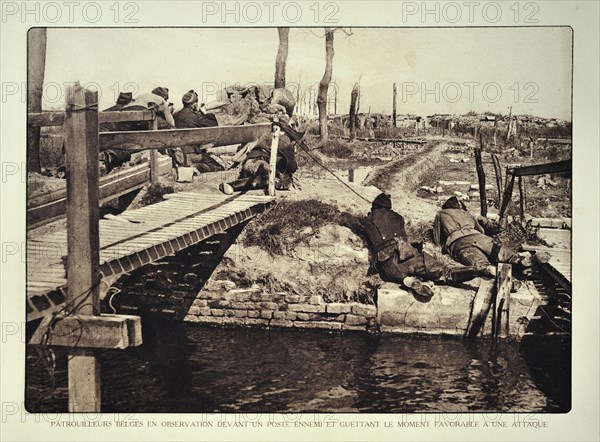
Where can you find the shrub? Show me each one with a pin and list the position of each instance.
(335, 149)
(285, 224)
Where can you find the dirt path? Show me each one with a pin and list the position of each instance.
(334, 262)
(402, 184)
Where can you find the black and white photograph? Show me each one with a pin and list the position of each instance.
(320, 227)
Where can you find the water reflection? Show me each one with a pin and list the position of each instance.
(183, 368)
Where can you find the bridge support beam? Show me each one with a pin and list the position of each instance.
(80, 326)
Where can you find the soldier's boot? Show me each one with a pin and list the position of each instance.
(462, 274)
(418, 287)
(236, 186)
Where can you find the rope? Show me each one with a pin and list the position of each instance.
(79, 108)
(296, 137)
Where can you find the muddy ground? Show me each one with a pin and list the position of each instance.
(303, 245)
(322, 256)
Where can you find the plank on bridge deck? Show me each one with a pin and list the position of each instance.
(184, 218)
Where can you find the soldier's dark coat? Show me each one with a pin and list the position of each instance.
(392, 255)
(188, 118)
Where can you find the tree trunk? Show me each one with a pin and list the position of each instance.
(324, 84)
(281, 59)
(36, 62)
(353, 98)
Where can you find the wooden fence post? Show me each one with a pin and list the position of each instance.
(394, 104)
(273, 160)
(521, 199)
(498, 173)
(506, 198)
(83, 263)
(481, 178)
(503, 287)
(154, 155)
(482, 303)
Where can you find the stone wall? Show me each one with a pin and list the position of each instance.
(255, 307)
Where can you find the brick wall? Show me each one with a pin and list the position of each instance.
(254, 307)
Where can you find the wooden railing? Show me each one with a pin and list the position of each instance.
(51, 206)
(81, 327)
(46, 119)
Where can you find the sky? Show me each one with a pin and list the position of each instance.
(436, 70)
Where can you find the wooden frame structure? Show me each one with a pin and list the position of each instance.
(80, 326)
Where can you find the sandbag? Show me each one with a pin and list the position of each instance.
(285, 98)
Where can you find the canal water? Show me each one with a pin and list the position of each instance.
(189, 368)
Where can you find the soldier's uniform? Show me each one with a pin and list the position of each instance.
(187, 118)
(395, 258)
(462, 236)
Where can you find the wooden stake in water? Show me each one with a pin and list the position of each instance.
(83, 263)
(503, 287)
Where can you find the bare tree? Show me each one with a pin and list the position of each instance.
(281, 60)
(326, 80)
(353, 109)
(36, 63)
(324, 83)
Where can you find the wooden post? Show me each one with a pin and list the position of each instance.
(351, 175)
(154, 155)
(83, 265)
(481, 178)
(36, 62)
(521, 199)
(531, 144)
(273, 160)
(508, 133)
(503, 286)
(506, 198)
(335, 100)
(498, 173)
(481, 306)
(394, 104)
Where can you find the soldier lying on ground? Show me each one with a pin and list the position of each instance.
(399, 261)
(255, 168)
(192, 117)
(156, 101)
(462, 236)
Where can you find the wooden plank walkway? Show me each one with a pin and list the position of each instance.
(559, 265)
(133, 239)
(47, 207)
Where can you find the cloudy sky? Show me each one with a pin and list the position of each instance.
(437, 70)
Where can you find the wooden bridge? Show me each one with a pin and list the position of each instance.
(134, 239)
(558, 268)
(66, 268)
